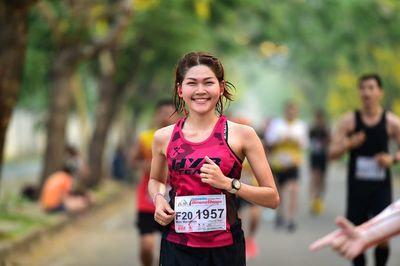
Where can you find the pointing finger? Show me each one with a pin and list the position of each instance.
(208, 160)
(323, 241)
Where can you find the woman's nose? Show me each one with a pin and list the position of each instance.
(200, 88)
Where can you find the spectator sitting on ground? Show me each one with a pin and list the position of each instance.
(57, 194)
(81, 170)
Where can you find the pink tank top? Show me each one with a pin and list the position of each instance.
(185, 158)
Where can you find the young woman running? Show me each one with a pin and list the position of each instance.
(200, 159)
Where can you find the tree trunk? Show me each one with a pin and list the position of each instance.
(107, 107)
(60, 98)
(13, 35)
(61, 92)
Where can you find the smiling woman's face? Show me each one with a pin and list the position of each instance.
(200, 89)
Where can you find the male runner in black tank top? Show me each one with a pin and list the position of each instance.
(365, 134)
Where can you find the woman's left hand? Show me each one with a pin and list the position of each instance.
(211, 174)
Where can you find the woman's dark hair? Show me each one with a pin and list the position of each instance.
(195, 59)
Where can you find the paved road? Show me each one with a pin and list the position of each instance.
(108, 238)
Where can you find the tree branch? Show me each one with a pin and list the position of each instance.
(20, 4)
(122, 23)
(48, 14)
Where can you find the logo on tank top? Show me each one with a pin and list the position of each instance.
(184, 149)
(190, 166)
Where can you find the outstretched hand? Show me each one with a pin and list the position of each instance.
(348, 241)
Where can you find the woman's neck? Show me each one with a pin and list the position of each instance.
(201, 122)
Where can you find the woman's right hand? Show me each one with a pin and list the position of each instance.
(164, 214)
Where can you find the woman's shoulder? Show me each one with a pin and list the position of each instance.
(240, 129)
(163, 134)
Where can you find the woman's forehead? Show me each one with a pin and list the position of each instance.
(199, 72)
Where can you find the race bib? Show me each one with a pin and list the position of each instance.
(200, 213)
(316, 146)
(368, 169)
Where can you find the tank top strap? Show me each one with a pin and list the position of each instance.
(221, 125)
(359, 123)
(179, 124)
(175, 133)
(382, 122)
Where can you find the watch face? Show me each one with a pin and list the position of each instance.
(236, 184)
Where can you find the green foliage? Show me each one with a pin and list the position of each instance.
(157, 38)
(40, 49)
(315, 42)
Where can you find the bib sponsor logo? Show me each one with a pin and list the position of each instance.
(199, 201)
(183, 203)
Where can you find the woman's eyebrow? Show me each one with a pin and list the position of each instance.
(200, 78)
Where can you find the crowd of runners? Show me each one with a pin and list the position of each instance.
(204, 173)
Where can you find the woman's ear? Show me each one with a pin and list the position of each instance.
(222, 87)
(179, 89)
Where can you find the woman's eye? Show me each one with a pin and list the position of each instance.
(209, 83)
(191, 83)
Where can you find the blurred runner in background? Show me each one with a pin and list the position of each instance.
(287, 138)
(365, 133)
(319, 141)
(141, 159)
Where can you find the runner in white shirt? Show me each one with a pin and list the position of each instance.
(287, 137)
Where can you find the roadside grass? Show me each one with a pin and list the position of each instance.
(20, 216)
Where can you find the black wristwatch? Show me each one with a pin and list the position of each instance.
(235, 186)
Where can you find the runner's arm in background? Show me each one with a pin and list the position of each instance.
(396, 134)
(164, 214)
(303, 136)
(386, 159)
(350, 241)
(341, 142)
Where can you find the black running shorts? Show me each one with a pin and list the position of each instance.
(178, 255)
(318, 161)
(361, 208)
(146, 224)
(283, 176)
